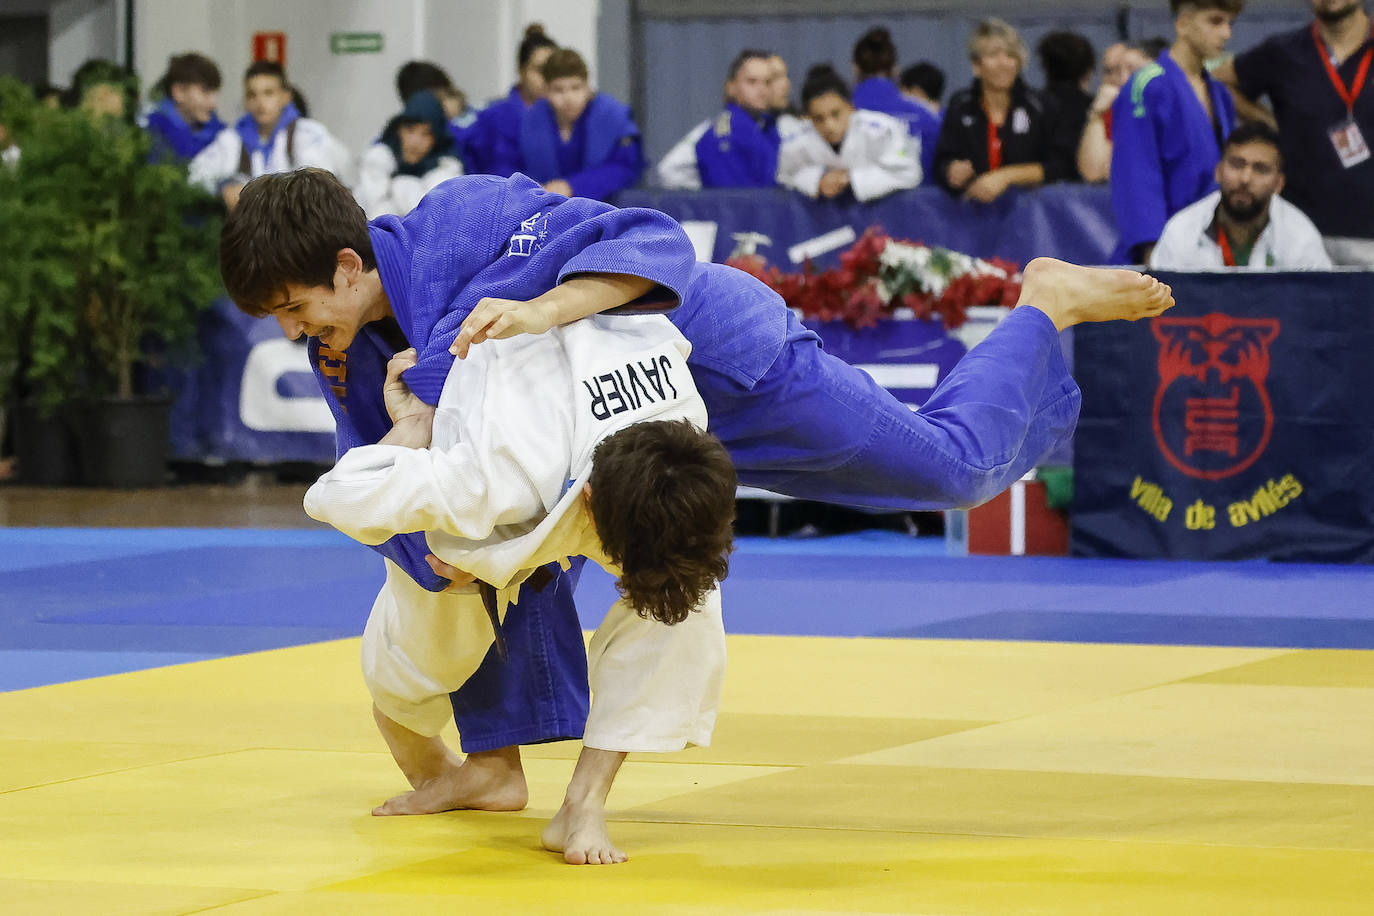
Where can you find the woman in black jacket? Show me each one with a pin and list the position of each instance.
(999, 132)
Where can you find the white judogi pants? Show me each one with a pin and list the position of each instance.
(655, 688)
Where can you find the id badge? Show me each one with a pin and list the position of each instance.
(1349, 143)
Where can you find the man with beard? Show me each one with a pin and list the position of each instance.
(1316, 79)
(1245, 223)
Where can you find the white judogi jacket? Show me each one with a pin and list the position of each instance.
(499, 494)
(313, 145)
(1289, 242)
(382, 192)
(879, 153)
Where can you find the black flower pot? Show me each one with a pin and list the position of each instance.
(126, 444)
(46, 446)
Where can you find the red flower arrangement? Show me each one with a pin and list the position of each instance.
(878, 275)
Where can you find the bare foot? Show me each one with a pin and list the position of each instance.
(579, 832)
(1070, 294)
(485, 781)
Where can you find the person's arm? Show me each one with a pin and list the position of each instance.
(576, 297)
(797, 169)
(1246, 107)
(620, 170)
(374, 181)
(677, 171)
(894, 163)
(989, 186)
(1094, 157)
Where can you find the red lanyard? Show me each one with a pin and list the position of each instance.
(994, 143)
(1348, 96)
(1227, 257)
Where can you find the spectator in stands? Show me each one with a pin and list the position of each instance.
(788, 116)
(866, 152)
(1245, 223)
(1119, 62)
(1317, 80)
(1067, 59)
(576, 141)
(271, 137)
(420, 75)
(493, 147)
(1168, 127)
(104, 89)
(999, 132)
(738, 148)
(875, 64)
(924, 84)
(415, 154)
(184, 120)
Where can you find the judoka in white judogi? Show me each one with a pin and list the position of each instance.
(499, 493)
(879, 153)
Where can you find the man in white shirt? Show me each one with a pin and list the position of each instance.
(1245, 223)
(588, 440)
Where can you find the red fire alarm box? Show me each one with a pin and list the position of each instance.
(270, 46)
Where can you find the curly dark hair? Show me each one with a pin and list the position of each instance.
(663, 503)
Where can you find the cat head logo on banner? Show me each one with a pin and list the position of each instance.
(1212, 415)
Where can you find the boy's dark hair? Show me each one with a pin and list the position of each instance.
(190, 69)
(289, 227)
(743, 58)
(926, 77)
(1254, 132)
(562, 63)
(1066, 57)
(418, 75)
(98, 71)
(875, 54)
(534, 40)
(1233, 7)
(822, 79)
(663, 503)
(266, 68)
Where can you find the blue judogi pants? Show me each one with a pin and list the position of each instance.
(817, 428)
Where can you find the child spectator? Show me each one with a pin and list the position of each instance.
(494, 146)
(867, 152)
(1168, 127)
(271, 137)
(999, 132)
(738, 148)
(184, 120)
(576, 141)
(415, 153)
(875, 63)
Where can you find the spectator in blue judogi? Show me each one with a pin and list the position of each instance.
(875, 63)
(184, 121)
(740, 148)
(1168, 127)
(494, 143)
(576, 141)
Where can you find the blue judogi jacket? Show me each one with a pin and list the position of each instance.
(1165, 150)
(174, 137)
(469, 238)
(463, 130)
(739, 150)
(878, 93)
(494, 145)
(604, 154)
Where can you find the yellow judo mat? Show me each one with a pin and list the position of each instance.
(847, 776)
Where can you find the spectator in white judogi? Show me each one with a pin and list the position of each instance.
(1245, 223)
(415, 153)
(272, 137)
(843, 148)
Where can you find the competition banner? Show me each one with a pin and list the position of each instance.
(1235, 426)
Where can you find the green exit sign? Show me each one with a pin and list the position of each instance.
(356, 42)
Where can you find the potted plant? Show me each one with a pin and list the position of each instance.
(118, 258)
